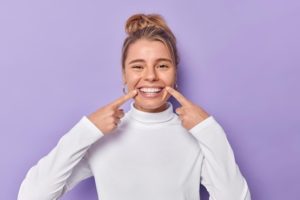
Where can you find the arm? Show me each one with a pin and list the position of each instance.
(52, 176)
(220, 174)
(80, 172)
(65, 166)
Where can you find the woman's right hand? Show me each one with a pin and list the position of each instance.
(108, 117)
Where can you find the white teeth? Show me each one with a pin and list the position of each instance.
(152, 90)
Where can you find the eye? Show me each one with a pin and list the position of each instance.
(137, 67)
(163, 66)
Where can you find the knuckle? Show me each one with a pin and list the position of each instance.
(119, 114)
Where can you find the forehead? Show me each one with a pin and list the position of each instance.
(147, 50)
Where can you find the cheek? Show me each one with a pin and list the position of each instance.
(168, 78)
(132, 80)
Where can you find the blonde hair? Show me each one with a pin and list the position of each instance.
(152, 27)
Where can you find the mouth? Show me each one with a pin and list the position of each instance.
(150, 92)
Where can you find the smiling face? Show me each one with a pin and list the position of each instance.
(149, 69)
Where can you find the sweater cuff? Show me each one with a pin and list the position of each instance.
(207, 128)
(203, 124)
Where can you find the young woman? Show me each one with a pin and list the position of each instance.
(148, 152)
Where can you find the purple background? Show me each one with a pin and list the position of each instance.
(60, 60)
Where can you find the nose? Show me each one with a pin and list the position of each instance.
(150, 74)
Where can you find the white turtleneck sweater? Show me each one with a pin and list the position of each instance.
(150, 156)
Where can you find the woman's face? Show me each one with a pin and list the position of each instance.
(149, 68)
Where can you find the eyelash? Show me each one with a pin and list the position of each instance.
(165, 66)
(137, 67)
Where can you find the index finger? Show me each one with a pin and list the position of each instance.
(121, 100)
(178, 96)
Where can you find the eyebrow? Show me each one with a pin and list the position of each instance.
(157, 60)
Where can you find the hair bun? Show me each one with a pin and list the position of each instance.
(140, 21)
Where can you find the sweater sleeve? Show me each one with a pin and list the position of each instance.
(63, 167)
(219, 174)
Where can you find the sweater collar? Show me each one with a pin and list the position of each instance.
(148, 117)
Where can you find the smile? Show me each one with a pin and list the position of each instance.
(148, 92)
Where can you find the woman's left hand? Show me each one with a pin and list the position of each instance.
(189, 113)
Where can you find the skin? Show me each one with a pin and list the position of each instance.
(149, 70)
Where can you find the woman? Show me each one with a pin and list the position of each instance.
(149, 152)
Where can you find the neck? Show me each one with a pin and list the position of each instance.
(152, 117)
(155, 110)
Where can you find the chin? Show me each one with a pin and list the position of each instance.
(155, 105)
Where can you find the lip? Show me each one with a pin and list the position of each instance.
(145, 86)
